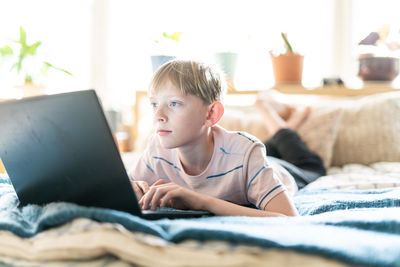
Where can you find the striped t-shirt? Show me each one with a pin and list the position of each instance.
(238, 171)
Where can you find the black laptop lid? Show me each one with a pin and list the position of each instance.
(60, 148)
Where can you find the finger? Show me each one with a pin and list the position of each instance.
(144, 186)
(166, 201)
(141, 200)
(157, 197)
(137, 191)
(158, 182)
(168, 198)
(147, 198)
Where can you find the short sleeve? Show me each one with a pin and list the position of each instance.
(143, 170)
(263, 181)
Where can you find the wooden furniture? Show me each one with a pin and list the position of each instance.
(334, 90)
(2, 169)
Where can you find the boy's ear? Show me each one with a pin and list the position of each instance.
(215, 113)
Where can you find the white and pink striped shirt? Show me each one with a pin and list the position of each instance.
(238, 172)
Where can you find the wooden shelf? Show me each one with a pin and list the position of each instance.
(326, 90)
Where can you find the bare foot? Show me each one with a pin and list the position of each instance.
(268, 99)
(298, 117)
(272, 121)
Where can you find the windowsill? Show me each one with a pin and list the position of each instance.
(332, 90)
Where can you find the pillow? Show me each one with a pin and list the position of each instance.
(318, 131)
(369, 131)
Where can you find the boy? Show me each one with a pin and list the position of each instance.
(192, 163)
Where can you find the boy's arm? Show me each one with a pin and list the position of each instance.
(265, 185)
(175, 196)
(225, 208)
(282, 203)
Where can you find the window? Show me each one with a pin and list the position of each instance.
(368, 16)
(107, 44)
(65, 30)
(250, 28)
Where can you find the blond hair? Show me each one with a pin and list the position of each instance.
(190, 77)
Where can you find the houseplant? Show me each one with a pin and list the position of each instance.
(24, 61)
(164, 45)
(287, 66)
(227, 63)
(379, 55)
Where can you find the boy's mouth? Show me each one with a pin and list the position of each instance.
(162, 132)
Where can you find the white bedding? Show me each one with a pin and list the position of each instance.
(84, 242)
(357, 176)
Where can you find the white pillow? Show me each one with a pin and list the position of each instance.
(369, 131)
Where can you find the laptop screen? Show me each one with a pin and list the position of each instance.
(60, 148)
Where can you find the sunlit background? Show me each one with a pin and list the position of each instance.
(107, 44)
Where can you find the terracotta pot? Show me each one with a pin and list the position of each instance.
(288, 68)
(29, 89)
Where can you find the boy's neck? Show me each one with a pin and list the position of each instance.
(196, 157)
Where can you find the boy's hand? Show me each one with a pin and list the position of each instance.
(140, 188)
(170, 195)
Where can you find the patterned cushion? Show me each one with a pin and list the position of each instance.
(318, 131)
(369, 131)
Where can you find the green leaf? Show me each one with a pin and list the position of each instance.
(22, 36)
(47, 65)
(19, 63)
(13, 66)
(31, 50)
(6, 50)
(24, 51)
(174, 36)
(287, 44)
(28, 78)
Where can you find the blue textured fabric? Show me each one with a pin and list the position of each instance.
(320, 201)
(355, 227)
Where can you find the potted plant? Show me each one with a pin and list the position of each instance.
(167, 40)
(227, 63)
(287, 66)
(20, 57)
(378, 56)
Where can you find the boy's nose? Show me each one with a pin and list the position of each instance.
(160, 115)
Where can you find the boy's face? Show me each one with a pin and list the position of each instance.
(179, 119)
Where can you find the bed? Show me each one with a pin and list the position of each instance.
(349, 217)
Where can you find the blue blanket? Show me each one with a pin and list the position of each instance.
(355, 227)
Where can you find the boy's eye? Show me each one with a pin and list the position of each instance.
(174, 104)
(154, 105)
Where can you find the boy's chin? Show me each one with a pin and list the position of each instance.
(168, 145)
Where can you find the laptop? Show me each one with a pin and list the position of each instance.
(60, 148)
